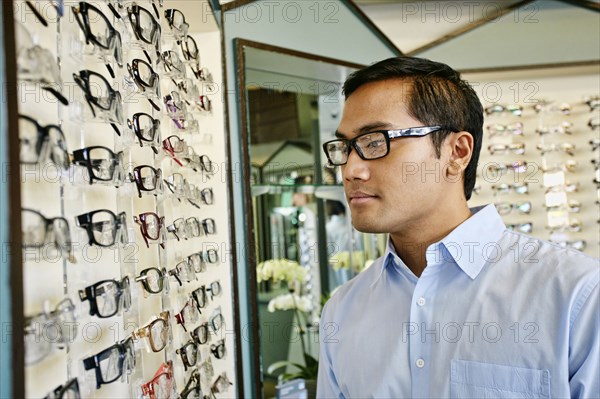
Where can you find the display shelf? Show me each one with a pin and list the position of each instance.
(116, 250)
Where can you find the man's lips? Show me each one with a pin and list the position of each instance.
(360, 197)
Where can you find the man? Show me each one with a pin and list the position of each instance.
(458, 306)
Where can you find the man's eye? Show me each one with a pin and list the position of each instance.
(375, 144)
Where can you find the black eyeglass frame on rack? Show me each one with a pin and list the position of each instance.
(43, 138)
(114, 97)
(134, 12)
(153, 85)
(113, 40)
(124, 348)
(119, 225)
(150, 137)
(83, 157)
(122, 296)
(155, 185)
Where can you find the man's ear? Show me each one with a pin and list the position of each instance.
(461, 146)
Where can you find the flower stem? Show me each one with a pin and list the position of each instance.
(297, 313)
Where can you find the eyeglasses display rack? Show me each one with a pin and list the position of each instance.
(127, 269)
(540, 154)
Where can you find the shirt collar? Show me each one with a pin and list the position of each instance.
(470, 245)
(475, 241)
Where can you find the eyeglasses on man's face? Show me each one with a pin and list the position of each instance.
(370, 145)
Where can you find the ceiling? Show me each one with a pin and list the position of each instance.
(541, 32)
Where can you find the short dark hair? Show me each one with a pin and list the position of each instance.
(437, 96)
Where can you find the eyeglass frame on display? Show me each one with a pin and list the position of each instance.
(141, 221)
(93, 362)
(119, 223)
(153, 85)
(43, 138)
(162, 276)
(114, 97)
(113, 39)
(122, 296)
(82, 157)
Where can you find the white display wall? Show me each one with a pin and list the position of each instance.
(56, 344)
(552, 115)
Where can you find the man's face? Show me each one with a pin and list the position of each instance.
(403, 189)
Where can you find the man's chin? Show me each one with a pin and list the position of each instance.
(366, 226)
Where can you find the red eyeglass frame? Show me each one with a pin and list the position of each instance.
(164, 369)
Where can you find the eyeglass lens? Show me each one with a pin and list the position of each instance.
(38, 231)
(369, 146)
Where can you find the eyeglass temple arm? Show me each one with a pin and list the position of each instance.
(418, 131)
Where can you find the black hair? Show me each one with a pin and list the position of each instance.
(437, 96)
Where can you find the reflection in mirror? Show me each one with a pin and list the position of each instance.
(304, 243)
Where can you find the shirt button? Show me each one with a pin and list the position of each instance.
(420, 363)
(421, 301)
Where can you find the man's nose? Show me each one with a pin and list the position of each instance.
(356, 168)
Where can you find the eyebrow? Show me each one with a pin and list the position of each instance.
(378, 125)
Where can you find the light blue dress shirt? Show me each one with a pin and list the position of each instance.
(495, 314)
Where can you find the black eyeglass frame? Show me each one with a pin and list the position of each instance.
(83, 81)
(43, 136)
(61, 390)
(389, 135)
(82, 157)
(49, 227)
(185, 357)
(90, 294)
(119, 221)
(114, 35)
(93, 362)
(153, 84)
(138, 179)
(143, 277)
(134, 12)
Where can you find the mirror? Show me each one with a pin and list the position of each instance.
(303, 245)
